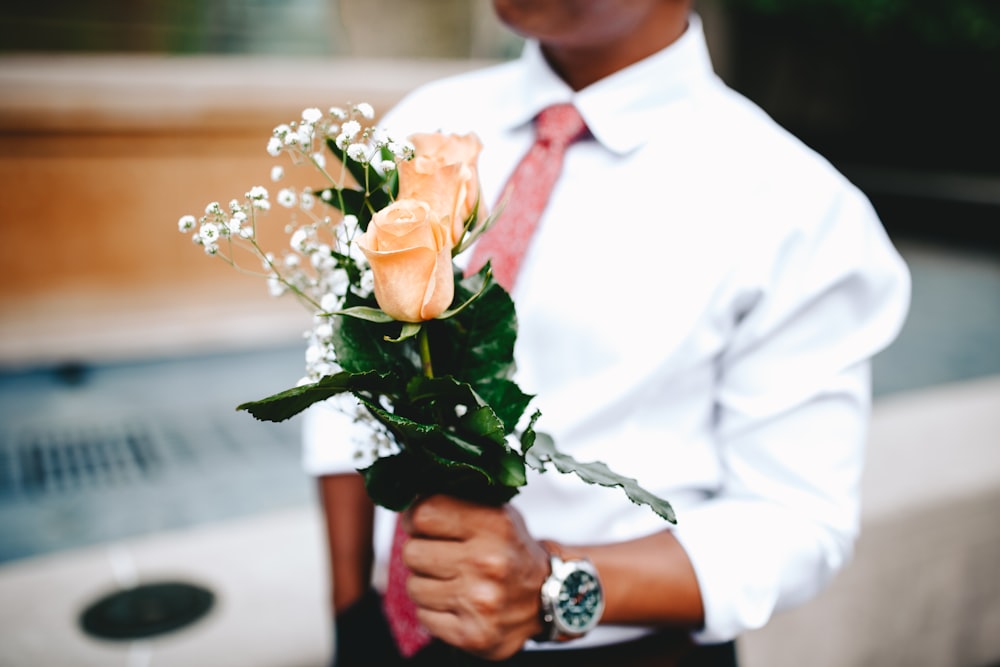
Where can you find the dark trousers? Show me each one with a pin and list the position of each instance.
(364, 640)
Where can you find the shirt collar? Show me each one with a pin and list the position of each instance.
(618, 106)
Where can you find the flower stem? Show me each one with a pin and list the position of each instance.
(423, 341)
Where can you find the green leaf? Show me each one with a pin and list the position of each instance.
(456, 404)
(529, 436)
(448, 422)
(477, 345)
(366, 313)
(408, 330)
(452, 312)
(347, 200)
(288, 403)
(543, 451)
(360, 345)
(507, 400)
(393, 481)
(512, 469)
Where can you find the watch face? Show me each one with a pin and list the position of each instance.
(579, 603)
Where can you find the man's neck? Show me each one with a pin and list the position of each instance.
(580, 66)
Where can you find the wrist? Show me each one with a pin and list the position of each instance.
(571, 596)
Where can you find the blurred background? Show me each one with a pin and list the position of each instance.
(123, 350)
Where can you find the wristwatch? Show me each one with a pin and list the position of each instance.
(572, 599)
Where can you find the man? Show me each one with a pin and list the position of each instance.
(697, 308)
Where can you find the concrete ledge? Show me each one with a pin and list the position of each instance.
(94, 94)
(270, 610)
(922, 589)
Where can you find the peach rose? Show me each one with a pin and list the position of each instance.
(444, 173)
(409, 249)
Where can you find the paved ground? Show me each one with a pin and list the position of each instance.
(90, 455)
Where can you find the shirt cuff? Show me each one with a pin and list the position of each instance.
(753, 558)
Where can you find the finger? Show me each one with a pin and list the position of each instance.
(467, 634)
(443, 624)
(444, 517)
(435, 559)
(432, 594)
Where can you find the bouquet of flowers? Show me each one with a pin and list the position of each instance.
(423, 353)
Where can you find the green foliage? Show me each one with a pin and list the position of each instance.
(543, 451)
(451, 427)
(969, 24)
(442, 389)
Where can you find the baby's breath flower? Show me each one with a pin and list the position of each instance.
(258, 198)
(350, 129)
(387, 165)
(304, 135)
(277, 173)
(257, 192)
(291, 261)
(299, 239)
(319, 159)
(338, 283)
(314, 354)
(379, 137)
(186, 223)
(306, 200)
(403, 150)
(349, 224)
(322, 258)
(213, 209)
(274, 146)
(275, 286)
(326, 195)
(209, 232)
(367, 282)
(323, 331)
(286, 197)
(329, 303)
(358, 152)
(365, 110)
(338, 113)
(312, 115)
(211, 249)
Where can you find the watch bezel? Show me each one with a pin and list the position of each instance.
(557, 629)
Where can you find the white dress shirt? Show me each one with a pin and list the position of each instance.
(697, 309)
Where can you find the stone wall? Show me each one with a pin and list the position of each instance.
(100, 155)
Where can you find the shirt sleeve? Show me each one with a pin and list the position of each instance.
(791, 417)
(335, 437)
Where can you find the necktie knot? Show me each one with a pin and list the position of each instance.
(559, 125)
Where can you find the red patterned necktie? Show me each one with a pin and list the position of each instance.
(527, 191)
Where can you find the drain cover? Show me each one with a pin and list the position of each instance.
(147, 610)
